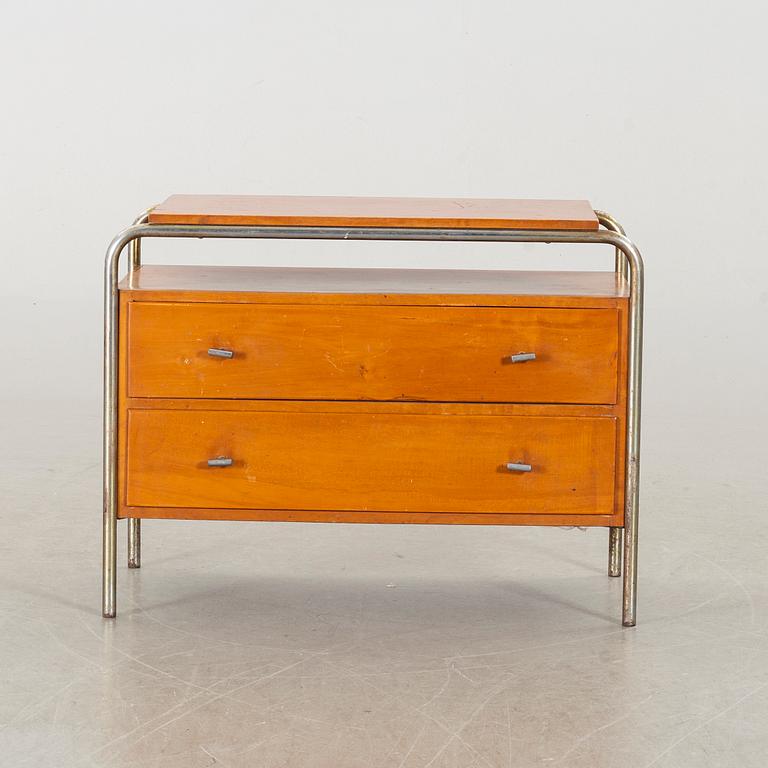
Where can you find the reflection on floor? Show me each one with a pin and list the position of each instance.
(254, 644)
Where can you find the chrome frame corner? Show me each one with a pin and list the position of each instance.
(629, 265)
(109, 520)
(134, 523)
(615, 534)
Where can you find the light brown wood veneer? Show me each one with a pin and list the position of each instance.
(296, 351)
(316, 460)
(371, 462)
(416, 212)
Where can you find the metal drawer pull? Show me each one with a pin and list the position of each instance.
(220, 461)
(519, 467)
(523, 357)
(215, 352)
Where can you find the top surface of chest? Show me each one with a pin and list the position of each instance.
(376, 286)
(407, 212)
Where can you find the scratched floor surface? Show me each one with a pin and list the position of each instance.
(244, 644)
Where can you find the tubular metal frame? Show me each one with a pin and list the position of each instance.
(615, 535)
(629, 264)
(134, 523)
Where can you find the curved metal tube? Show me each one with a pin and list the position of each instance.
(615, 544)
(606, 220)
(135, 245)
(606, 236)
(615, 534)
(134, 523)
(609, 222)
(628, 535)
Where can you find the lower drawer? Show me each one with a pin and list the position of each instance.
(358, 460)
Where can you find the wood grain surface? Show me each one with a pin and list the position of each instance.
(416, 212)
(323, 352)
(369, 462)
(451, 287)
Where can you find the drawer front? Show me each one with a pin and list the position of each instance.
(357, 460)
(298, 352)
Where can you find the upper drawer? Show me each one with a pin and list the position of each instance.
(453, 354)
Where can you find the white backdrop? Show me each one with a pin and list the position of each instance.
(654, 111)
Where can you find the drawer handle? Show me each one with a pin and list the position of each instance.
(216, 352)
(515, 467)
(522, 357)
(220, 461)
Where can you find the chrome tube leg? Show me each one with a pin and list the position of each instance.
(109, 561)
(109, 521)
(614, 550)
(134, 523)
(631, 266)
(134, 542)
(632, 488)
(615, 534)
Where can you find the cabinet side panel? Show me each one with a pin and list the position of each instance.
(122, 408)
(621, 414)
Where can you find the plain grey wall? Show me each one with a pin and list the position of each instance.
(654, 111)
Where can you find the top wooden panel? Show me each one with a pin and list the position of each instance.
(273, 285)
(415, 212)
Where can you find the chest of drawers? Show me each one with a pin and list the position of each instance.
(372, 395)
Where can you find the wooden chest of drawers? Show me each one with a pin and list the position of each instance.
(314, 404)
(379, 396)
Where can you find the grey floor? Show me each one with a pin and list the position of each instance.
(244, 644)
